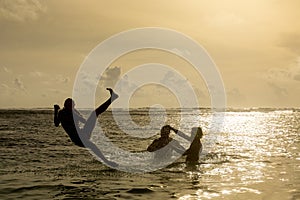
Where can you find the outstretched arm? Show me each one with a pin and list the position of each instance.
(177, 147)
(56, 118)
(181, 134)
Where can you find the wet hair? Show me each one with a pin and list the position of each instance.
(68, 101)
(165, 130)
(197, 132)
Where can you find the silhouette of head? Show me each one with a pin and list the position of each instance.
(69, 104)
(197, 132)
(165, 131)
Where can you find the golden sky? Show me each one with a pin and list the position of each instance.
(255, 44)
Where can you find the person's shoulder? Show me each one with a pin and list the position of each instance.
(153, 146)
(158, 142)
(61, 111)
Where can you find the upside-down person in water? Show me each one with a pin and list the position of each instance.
(69, 118)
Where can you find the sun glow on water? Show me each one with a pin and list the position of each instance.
(243, 153)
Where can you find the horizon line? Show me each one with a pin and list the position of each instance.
(147, 107)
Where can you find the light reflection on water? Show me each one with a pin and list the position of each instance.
(255, 155)
(254, 151)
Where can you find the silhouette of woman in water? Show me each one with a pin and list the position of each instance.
(69, 118)
(192, 154)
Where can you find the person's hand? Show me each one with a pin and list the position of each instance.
(56, 107)
(173, 129)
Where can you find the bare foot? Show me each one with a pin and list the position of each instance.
(112, 94)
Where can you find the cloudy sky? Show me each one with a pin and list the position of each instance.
(255, 44)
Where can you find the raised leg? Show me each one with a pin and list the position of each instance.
(91, 121)
(106, 104)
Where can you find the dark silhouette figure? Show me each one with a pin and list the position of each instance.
(163, 141)
(192, 154)
(69, 118)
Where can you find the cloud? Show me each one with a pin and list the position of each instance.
(126, 85)
(280, 91)
(183, 89)
(297, 77)
(291, 41)
(37, 74)
(56, 91)
(19, 84)
(6, 90)
(235, 96)
(5, 87)
(6, 70)
(21, 10)
(85, 86)
(111, 76)
(13, 89)
(284, 75)
(277, 74)
(295, 71)
(284, 81)
(62, 79)
(200, 93)
(279, 79)
(173, 79)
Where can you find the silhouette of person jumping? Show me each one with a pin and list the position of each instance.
(69, 118)
(192, 154)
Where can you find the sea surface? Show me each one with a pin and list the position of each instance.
(252, 154)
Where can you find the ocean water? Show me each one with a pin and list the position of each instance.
(253, 155)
